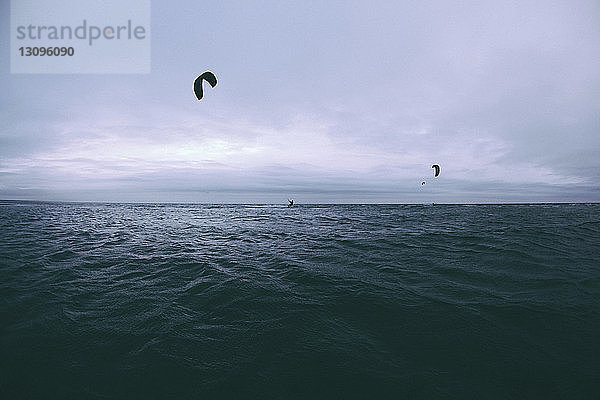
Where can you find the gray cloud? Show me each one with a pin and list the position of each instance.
(333, 101)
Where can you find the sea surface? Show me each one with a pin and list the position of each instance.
(185, 301)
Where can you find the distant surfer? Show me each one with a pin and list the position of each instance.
(291, 202)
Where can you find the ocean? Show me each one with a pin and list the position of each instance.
(190, 301)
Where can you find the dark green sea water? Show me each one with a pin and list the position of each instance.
(150, 301)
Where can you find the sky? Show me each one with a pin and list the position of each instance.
(323, 102)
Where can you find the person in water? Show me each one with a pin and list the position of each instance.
(291, 201)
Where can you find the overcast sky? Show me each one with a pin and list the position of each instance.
(322, 101)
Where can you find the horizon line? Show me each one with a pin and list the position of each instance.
(296, 204)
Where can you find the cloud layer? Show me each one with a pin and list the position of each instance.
(324, 102)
